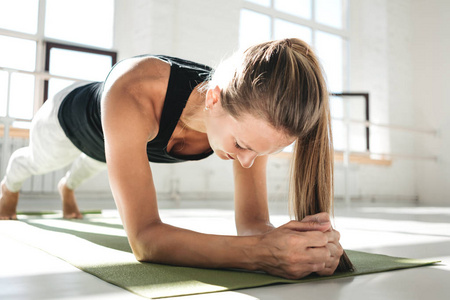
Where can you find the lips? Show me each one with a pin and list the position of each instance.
(230, 157)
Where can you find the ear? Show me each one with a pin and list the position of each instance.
(212, 97)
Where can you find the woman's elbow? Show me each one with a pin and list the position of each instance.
(139, 249)
(140, 255)
(143, 252)
(145, 247)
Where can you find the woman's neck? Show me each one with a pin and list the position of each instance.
(193, 115)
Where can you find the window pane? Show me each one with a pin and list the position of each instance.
(357, 137)
(358, 134)
(3, 92)
(337, 107)
(82, 65)
(285, 29)
(22, 96)
(330, 49)
(260, 2)
(19, 15)
(55, 85)
(81, 21)
(357, 108)
(357, 112)
(339, 135)
(17, 53)
(299, 8)
(329, 12)
(254, 28)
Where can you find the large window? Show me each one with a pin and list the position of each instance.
(323, 25)
(320, 23)
(46, 45)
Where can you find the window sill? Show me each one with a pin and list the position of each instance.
(15, 132)
(363, 159)
(355, 158)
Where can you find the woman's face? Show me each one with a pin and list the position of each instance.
(243, 139)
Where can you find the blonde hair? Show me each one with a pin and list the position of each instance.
(282, 83)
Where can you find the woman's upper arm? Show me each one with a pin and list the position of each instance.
(129, 122)
(251, 196)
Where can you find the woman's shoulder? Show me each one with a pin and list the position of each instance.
(142, 78)
(137, 69)
(139, 83)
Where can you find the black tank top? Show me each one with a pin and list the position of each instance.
(80, 115)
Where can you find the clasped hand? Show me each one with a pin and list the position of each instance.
(300, 248)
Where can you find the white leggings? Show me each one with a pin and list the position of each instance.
(50, 149)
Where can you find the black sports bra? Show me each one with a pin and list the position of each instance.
(80, 115)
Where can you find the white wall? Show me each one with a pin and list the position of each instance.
(203, 31)
(380, 63)
(400, 55)
(431, 95)
(388, 43)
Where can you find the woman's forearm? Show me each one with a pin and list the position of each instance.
(293, 250)
(166, 244)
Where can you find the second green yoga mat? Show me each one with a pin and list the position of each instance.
(100, 248)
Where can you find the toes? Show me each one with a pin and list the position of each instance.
(73, 216)
(13, 217)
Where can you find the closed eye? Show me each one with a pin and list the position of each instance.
(237, 145)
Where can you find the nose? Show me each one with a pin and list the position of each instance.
(247, 159)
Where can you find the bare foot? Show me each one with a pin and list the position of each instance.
(8, 203)
(70, 207)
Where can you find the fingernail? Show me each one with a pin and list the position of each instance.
(325, 223)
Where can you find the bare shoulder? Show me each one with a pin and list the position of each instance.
(138, 85)
(135, 71)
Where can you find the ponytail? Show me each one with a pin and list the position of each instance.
(311, 186)
(311, 189)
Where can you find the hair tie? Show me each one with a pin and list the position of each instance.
(307, 51)
(288, 42)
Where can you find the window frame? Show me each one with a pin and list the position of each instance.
(276, 14)
(344, 33)
(367, 112)
(40, 73)
(53, 45)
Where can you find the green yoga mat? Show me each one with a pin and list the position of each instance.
(99, 246)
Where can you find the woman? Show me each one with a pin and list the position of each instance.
(165, 109)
